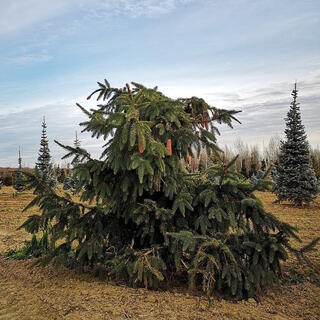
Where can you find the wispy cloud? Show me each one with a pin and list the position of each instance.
(262, 116)
(264, 110)
(240, 54)
(24, 129)
(21, 14)
(23, 59)
(137, 8)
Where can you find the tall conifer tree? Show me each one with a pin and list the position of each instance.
(72, 180)
(295, 180)
(44, 157)
(76, 141)
(76, 144)
(18, 184)
(44, 167)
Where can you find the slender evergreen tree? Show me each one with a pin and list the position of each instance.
(143, 218)
(72, 180)
(295, 179)
(44, 157)
(76, 141)
(77, 145)
(18, 183)
(44, 167)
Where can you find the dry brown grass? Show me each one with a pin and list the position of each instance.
(32, 292)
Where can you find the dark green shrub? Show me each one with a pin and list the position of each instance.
(8, 179)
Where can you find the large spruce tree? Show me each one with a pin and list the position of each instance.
(295, 180)
(143, 218)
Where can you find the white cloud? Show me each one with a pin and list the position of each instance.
(137, 8)
(263, 110)
(17, 15)
(26, 59)
(20, 14)
(24, 129)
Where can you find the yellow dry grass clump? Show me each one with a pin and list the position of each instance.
(28, 291)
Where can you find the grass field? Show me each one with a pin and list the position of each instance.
(28, 291)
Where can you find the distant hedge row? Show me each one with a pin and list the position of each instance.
(7, 178)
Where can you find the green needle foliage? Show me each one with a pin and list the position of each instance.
(71, 182)
(18, 184)
(44, 158)
(295, 180)
(142, 218)
(44, 168)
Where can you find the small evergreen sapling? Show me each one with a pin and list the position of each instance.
(295, 180)
(18, 183)
(71, 182)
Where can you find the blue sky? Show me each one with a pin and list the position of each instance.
(243, 54)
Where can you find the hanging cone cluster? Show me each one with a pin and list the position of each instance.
(169, 147)
(140, 147)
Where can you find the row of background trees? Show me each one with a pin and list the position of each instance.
(295, 166)
(44, 166)
(251, 159)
